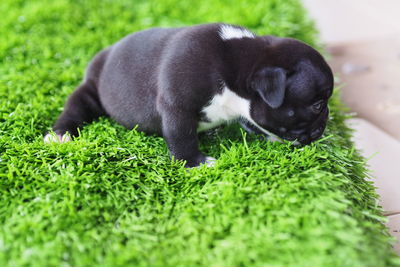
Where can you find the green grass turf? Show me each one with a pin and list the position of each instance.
(114, 198)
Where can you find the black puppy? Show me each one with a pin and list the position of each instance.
(179, 81)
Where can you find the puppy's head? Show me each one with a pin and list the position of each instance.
(291, 87)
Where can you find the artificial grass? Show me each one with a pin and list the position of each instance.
(114, 198)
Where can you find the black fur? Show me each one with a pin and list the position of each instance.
(161, 79)
(270, 83)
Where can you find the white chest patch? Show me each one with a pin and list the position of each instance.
(226, 107)
(227, 32)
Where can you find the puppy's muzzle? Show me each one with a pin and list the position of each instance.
(309, 134)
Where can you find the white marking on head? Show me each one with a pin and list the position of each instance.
(227, 32)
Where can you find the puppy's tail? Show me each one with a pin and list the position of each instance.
(82, 107)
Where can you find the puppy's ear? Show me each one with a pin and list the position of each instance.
(270, 83)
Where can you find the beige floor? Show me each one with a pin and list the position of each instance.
(363, 37)
(370, 70)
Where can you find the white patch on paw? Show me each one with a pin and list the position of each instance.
(210, 161)
(56, 138)
(227, 32)
(296, 143)
(274, 138)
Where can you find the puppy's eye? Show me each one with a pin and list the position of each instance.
(317, 107)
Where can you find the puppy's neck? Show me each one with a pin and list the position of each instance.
(241, 56)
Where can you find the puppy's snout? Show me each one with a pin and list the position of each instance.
(306, 137)
(316, 133)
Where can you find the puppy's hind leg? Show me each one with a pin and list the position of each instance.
(83, 106)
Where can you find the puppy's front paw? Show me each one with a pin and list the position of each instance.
(201, 159)
(210, 161)
(56, 138)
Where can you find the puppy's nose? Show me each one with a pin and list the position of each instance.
(316, 133)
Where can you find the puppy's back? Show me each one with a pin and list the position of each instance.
(127, 84)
